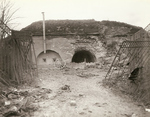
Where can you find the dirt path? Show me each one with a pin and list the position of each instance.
(80, 93)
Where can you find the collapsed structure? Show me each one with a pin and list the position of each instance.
(76, 41)
(66, 41)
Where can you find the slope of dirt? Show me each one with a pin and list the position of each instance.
(71, 92)
(82, 96)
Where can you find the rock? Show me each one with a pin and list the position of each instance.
(134, 115)
(13, 111)
(90, 111)
(2, 102)
(82, 113)
(148, 110)
(13, 89)
(73, 103)
(66, 88)
(13, 108)
(44, 91)
(12, 96)
(24, 93)
(7, 103)
(81, 95)
(98, 104)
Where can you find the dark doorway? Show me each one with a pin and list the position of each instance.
(83, 55)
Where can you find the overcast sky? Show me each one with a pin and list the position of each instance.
(135, 12)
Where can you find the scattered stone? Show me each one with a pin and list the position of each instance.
(66, 88)
(148, 110)
(82, 113)
(81, 95)
(63, 100)
(7, 103)
(134, 115)
(44, 90)
(19, 102)
(37, 86)
(13, 111)
(86, 75)
(12, 95)
(104, 103)
(73, 103)
(90, 111)
(2, 102)
(85, 109)
(12, 89)
(24, 93)
(98, 104)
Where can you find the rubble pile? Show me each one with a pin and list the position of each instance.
(86, 75)
(21, 102)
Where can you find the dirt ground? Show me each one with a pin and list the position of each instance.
(78, 92)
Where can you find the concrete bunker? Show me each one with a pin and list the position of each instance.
(49, 58)
(83, 56)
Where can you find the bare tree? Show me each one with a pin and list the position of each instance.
(7, 12)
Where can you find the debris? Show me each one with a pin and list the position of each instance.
(90, 111)
(91, 65)
(37, 86)
(13, 95)
(12, 89)
(100, 105)
(19, 102)
(86, 75)
(148, 110)
(13, 111)
(81, 95)
(85, 108)
(73, 103)
(82, 113)
(134, 115)
(97, 104)
(66, 88)
(24, 93)
(7, 103)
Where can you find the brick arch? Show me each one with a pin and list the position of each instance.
(83, 55)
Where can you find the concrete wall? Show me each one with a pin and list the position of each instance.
(49, 58)
(63, 48)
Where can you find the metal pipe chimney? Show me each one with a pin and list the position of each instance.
(44, 40)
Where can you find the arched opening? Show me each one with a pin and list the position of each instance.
(83, 56)
(48, 58)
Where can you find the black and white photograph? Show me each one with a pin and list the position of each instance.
(74, 58)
